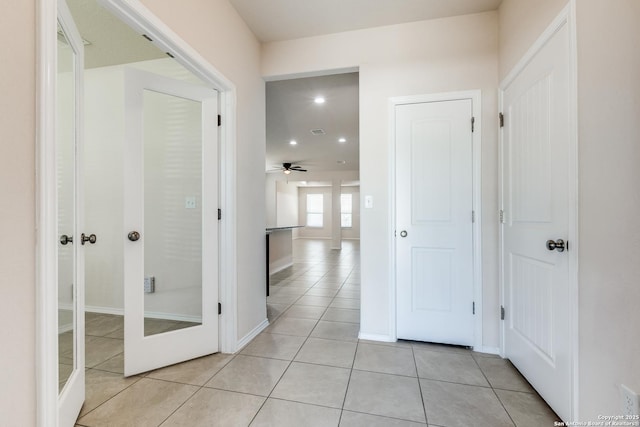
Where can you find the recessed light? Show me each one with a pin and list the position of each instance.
(342, 140)
(319, 100)
(293, 142)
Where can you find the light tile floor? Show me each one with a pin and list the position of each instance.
(308, 368)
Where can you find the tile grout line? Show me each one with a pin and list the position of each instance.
(424, 405)
(494, 391)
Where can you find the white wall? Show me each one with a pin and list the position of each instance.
(17, 210)
(609, 157)
(441, 55)
(608, 134)
(217, 32)
(286, 204)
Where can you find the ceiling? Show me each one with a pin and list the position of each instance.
(274, 20)
(292, 114)
(111, 42)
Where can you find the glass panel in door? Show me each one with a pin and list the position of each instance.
(172, 212)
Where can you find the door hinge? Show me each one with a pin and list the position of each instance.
(219, 308)
(473, 216)
(501, 216)
(219, 120)
(219, 214)
(473, 124)
(501, 116)
(501, 312)
(474, 308)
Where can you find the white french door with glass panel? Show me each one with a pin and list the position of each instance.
(434, 226)
(70, 221)
(536, 199)
(171, 223)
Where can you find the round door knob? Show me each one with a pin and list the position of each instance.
(64, 239)
(559, 245)
(133, 236)
(403, 233)
(90, 238)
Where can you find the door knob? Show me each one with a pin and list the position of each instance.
(90, 238)
(559, 245)
(403, 233)
(133, 236)
(64, 239)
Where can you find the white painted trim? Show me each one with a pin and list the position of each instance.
(46, 214)
(376, 337)
(566, 16)
(142, 20)
(251, 335)
(476, 101)
(147, 314)
(280, 264)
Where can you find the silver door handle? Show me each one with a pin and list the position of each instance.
(403, 233)
(133, 236)
(64, 239)
(559, 245)
(90, 238)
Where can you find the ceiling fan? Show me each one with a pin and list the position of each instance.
(287, 168)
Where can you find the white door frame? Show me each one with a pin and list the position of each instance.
(566, 17)
(143, 21)
(476, 99)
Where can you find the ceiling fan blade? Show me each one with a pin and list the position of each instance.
(298, 169)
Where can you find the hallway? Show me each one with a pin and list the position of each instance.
(308, 368)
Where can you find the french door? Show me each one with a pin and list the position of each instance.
(171, 223)
(70, 219)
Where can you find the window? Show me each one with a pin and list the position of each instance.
(346, 210)
(315, 210)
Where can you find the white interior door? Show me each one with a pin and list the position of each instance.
(536, 202)
(171, 223)
(70, 254)
(434, 233)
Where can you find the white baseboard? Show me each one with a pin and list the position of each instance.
(376, 337)
(280, 264)
(148, 314)
(65, 328)
(251, 335)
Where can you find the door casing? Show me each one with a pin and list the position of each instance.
(476, 99)
(143, 21)
(566, 17)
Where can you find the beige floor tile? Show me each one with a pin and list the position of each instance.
(304, 312)
(355, 419)
(101, 386)
(196, 372)
(103, 325)
(115, 364)
(146, 403)
(288, 290)
(292, 326)
(282, 413)
(527, 409)
(353, 304)
(249, 374)
(445, 348)
(327, 352)
(209, 407)
(118, 334)
(385, 395)
(451, 367)
(322, 292)
(342, 315)
(65, 342)
(336, 331)
(501, 374)
(274, 346)
(275, 310)
(313, 384)
(403, 344)
(457, 405)
(99, 350)
(314, 300)
(387, 360)
(302, 282)
(157, 326)
(345, 293)
(282, 299)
